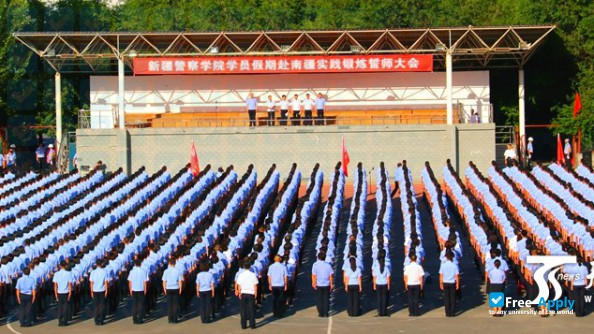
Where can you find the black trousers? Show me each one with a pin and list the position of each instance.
(321, 120)
(271, 118)
(137, 306)
(414, 291)
(173, 305)
(307, 120)
(449, 298)
(26, 310)
(252, 115)
(283, 117)
(296, 118)
(248, 312)
(383, 296)
(323, 302)
(99, 307)
(353, 301)
(63, 309)
(278, 299)
(578, 294)
(205, 306)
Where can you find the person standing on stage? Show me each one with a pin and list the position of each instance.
(247, 290)
(320, 104)
(321, 280)
(413, 284)
(449, 283)
(308, 105)
(25, 296)
(99, 289)
(138, 285)
(278, 279)
(205, 291)
(251, 105)
(296, 107)
(284, 110)
(172, 287)
(63, 291)
(270, 108)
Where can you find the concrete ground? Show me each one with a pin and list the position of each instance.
(302, 317)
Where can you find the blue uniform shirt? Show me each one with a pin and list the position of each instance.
(98, 277)
(322, 270)
(204, 279)
(62, 278)
(277, 273)
(449, 271)
(26, 285)
(171, 277)
(320, 103)
(381, 278)
(137, 277)
(252, 103)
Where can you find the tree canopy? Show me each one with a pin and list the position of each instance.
(564, 65)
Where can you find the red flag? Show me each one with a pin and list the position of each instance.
(194, 165)
(345, 159)
(560, 157)
(577, 105)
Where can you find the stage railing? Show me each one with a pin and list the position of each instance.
(262, 121)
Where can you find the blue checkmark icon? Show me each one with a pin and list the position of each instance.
(496, 299)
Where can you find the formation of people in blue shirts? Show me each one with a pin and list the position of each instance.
(100, 239)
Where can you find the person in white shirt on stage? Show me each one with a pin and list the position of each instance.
(308, 105)
(296, 108)
(284, 110)
(270, 108)
(320, 104)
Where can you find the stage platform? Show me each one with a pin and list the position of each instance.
(305, 145)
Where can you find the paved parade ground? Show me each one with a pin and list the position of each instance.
(472, 310)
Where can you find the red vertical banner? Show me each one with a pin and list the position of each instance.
(194, 164)
(345, 159)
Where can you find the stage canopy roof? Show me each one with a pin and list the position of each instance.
(471, 47)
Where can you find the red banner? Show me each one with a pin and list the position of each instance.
(289, 64)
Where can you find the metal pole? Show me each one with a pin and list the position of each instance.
(121, 108)
(449, 107)
(521, 105)
(58, 87)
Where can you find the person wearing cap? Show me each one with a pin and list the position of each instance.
(11, 159)
(567, 151)
(40, 156)
(50, 157)
(529, 151)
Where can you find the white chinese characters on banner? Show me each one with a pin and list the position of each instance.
(285, 64)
